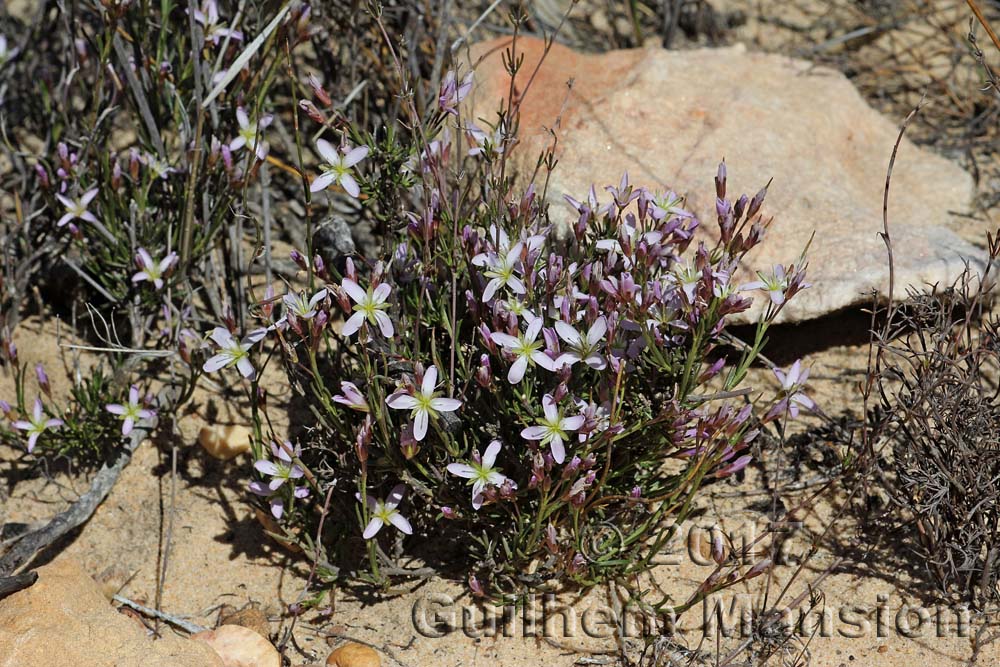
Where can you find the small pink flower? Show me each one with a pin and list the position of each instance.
(131, 413)
(208, 17)
(452, 92)
(280, 468)
(76, 209)
(369, 306)
(583, 348)
(337, 168)
(233, 352)
(384, 511)
(526, 350)
(480, 473)
(423, 403)
(553, 428)
(251, 134)
(37, 424)
(152, 270)
(352, 397)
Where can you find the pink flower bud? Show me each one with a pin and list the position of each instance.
(759, 569)
(43, 379)
(43, 176)
(718, 548)
(299, 259)
(319, 91)
(484, 374)
(312, 111)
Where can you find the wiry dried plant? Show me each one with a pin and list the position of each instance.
(940, 429)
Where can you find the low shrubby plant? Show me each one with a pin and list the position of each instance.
(937, 450)
(501, 385)
(545, 401)
(133, 155)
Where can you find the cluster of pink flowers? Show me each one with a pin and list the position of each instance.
(568, 326)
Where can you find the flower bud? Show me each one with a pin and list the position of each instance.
(319, 266)
(720, 181)
(362, 440)
(312, 111)
(299, 259)
(757, 202)
(43, 379)
(319, 91)
(485, 333)
(484, 374)
(759, 569)
(43, 177)
(551, 541)
(133, 163)
(408, 445)
(718, 548)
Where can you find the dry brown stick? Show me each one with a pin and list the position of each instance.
(193, 628)
(982, 20)
(18, 582)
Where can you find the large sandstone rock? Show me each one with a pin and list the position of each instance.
(63, 619)
(669, 117)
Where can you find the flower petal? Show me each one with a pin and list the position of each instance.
(355, 156)
(395, 496)
(446, 404)
(568, 333)
(384, 324)
(222, 337)
(430, 381)
(353, 323)
(372, 528)
(420, 420)
(327, 151)
(350, 185)
(531, 333)
(354, 291)
(245, 368)
(558, 450)
(535, 432)
(402, 401)
(504, 340)
(462, 470)
(266, 467)
(400, 522)
(381, 293)
(597, 331)
(490, 455)
(322, 182)
(517, 369)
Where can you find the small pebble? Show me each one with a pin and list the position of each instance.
(240, 647)
(225, 441)
(252, 618)
(354, 655)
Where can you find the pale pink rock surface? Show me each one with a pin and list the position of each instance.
(669, 117)
(64, 619)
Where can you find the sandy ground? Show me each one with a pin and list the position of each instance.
(219, 555)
